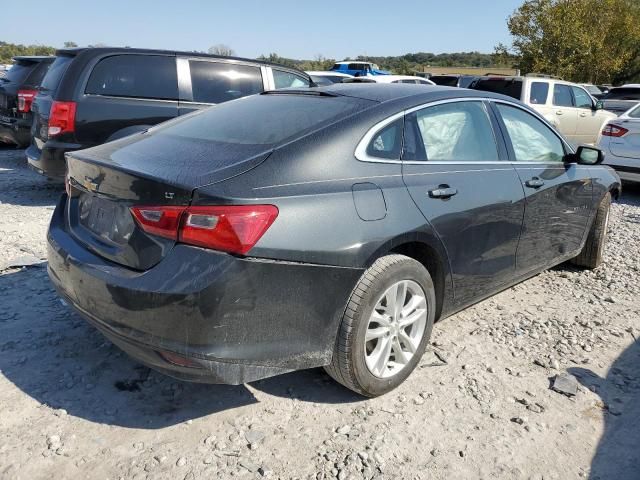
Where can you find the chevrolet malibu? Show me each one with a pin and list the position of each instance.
(319, 227)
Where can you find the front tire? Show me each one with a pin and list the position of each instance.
(593, 251)
(385, 327)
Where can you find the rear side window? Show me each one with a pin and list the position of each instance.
(447, 81)
(459, 131)
(55, 73)
(635, 113)
(140, 76)
(216, 82)
(562, 96)
(284, 79)
(265, 119)
(387, 142)
(539, 93)
(505, 86)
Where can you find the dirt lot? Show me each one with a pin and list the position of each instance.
(479, 405)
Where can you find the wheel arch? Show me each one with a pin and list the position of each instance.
(431, 254)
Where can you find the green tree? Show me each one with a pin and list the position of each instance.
(70, 44)
(10, 50)
(580, 40)
(222, 50)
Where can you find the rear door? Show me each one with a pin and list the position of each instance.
(124, 94)
(455, 168)
(558, 195)
(564, 114)
(205, 82)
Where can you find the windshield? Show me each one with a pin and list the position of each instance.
(55, 73)
(592, 89)
(624, 93)
(18, 72)
(263, 119)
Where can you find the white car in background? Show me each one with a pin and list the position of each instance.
(620, 141)
(328, 77)
(390, 79)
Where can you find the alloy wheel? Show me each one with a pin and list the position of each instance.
(395, 328)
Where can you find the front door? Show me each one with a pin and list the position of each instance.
(457, 174)
(558, 194)
(589, 120)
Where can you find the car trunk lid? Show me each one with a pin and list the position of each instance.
(142, 170)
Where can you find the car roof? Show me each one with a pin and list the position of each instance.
(149, 51)
(396, 91)
(347, 62)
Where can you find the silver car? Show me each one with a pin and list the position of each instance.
(620, 141)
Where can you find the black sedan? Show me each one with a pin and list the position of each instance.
(321, 227)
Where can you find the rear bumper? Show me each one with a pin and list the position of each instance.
(628, 169)
(234, 319)
(50, 161)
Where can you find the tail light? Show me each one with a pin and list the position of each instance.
(25, 99)
(229, 228)
(611, 130)
(62, 118)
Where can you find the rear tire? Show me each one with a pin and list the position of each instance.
(593, 251)
(378, 334)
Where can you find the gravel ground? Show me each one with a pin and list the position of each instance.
(479, 406)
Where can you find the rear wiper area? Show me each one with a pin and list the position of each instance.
(313, 93)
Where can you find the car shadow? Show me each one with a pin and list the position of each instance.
(618, 452)
(58, 359)
(22, 186)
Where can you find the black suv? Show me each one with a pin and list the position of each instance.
(94, 95)
(17, 90)
(453, 80)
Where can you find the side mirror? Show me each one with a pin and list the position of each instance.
(586, 155)
(599, 105)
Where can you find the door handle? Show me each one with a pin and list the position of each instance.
(535, 182)
(583, 114)
(559, 112)
(443, 191)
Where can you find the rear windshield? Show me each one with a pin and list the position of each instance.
(55, 73)
(505, 86)
(447, 81)
(623, 94)
(263, 119)
(38, 73)
(19, 71)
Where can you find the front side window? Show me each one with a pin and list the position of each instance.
(539, 93)
(562, 96)
(387, 142)
(140, 76)
(219, 82)
(451, 132)
(532, 140)
(582, 98)
(284, 79)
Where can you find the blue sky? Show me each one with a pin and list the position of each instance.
(295, 29)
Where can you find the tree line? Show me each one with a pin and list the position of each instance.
(595, 41)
